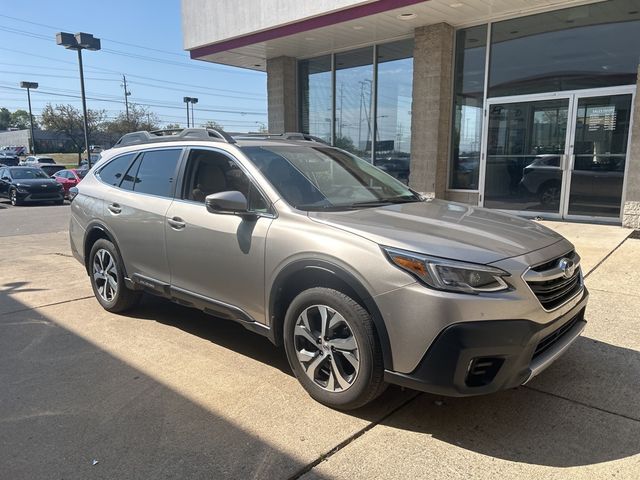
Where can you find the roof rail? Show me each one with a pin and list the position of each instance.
(282, 136)
(172, 134)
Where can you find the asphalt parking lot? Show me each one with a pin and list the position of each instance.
(168, 392)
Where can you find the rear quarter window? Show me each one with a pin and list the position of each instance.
(113, 172)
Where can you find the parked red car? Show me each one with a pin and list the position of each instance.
(69, 178)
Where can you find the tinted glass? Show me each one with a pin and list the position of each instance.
(315, 96)
(525, 146)
(157, 172)
(27, 173)
(3, 173)
(46, 160)
(113, 171)
(469, 75)
(213, 172)
(354, 79)
(130, 178)
(394, 92)
(600, 152)
(588, 46)
(318, 178)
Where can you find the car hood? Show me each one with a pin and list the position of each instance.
(35, 182)
(444, 229)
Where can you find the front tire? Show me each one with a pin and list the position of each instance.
(332, 348)
(13, 196)
(107, 278)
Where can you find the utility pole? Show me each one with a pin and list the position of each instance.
(187, 100)
(126, 95)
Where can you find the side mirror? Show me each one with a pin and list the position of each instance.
(6, 179)
(73, 193)
(230, 202)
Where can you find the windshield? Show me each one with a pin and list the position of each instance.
(46, 160)
(322, 178)
(27, 173)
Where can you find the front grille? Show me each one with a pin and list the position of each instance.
(547, 342)
(554, 292)
(44, 196)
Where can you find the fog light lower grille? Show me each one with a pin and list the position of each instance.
(483, 370)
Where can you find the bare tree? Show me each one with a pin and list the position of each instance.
(67, 120)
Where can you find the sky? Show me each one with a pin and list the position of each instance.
(141, 39)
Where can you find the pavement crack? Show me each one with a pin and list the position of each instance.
(45, 305)
(307, 468)
(606, 257)
(562, 397)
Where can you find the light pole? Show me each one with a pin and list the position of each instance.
(126, 95)
(80, 41)
(187, 100)
(29, 86)
(192, 101)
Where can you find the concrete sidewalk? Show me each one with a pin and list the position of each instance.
(168, 392)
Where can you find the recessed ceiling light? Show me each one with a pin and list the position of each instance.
(569, 21)
(407, 16)
(513, 32)
(257, 65)
(456, 5)
(358, 27)
(633, 12)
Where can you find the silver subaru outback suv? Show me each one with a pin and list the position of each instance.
(364, 281)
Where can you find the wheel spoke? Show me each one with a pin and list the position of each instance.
(305, 320)
(336, 320)
(324, 316)
(303, 332)
(112, 283)
(97, 276)
(337, 373)
(352, 359)
(305, 356)
(313, 366)
(343, 344)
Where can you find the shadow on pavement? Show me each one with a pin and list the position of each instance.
(65, 403)
(521, 425)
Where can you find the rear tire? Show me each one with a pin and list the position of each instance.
(339, 364)
(107, 278)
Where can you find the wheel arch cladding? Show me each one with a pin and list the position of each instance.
(96, 231)
(304, 274)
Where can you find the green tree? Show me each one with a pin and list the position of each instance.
(140, 118)
(5, 118)
(20, 119)
(213, 124)
(67, 120)
(173, 126)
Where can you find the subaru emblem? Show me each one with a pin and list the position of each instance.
(567, 266)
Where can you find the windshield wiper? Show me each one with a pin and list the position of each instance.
(386, 201)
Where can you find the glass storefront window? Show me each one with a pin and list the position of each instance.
(354, 83)
(589, 46)
(315, 96)
(469, 76)
(394, 93)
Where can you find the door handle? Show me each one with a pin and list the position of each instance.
(114, 208)
(176, 223)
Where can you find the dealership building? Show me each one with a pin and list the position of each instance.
(527, 106)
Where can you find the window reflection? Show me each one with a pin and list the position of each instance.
(354, 83)
(315, 96)
(394, 93)
(589, 46)
(468, 98)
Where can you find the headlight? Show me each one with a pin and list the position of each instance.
(449, 275)
(22, 189)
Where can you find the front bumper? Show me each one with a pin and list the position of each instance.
(480, 357)
(52, 196)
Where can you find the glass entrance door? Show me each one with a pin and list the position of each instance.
(600, 138)
(526, 152)
(558, 155)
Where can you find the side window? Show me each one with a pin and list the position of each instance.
(212, 172)
(3, 172)
(113, 171)
(157, 172)
(131, 177)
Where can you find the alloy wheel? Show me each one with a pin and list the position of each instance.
(326, 348)
(105, 275)
(14, 197)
